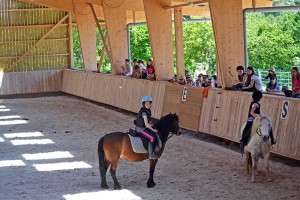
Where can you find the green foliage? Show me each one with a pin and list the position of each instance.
(273, 39)
(199, 45)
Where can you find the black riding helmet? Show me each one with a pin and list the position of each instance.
(257, 95)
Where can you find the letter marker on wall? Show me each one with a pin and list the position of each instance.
(285, 109)
(184, 94)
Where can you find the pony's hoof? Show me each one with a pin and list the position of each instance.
(252, 181)
(104, 186)
(117, 187)
(269, 180)
(151, 184)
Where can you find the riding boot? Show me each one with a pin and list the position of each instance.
(273, 141)
(152, 154)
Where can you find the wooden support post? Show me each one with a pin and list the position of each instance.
(179, 41)
(160, 33)
(36, 44)
(115, 18)
(87, 35)
(101, 33)
(227, 19)
(71, 54)
(102, 55)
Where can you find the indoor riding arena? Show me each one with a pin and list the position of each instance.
(52, 115)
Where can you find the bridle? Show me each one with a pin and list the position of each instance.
(258, 131)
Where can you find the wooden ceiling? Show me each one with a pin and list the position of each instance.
(135, 8)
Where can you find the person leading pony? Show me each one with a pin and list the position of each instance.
(253, 109)
(143, 127)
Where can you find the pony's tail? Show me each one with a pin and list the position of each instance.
(101, 157)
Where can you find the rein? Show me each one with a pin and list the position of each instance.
(169, 137)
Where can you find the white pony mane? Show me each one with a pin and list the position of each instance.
(261, 121)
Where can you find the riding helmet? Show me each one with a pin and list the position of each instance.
(257, 95)
(147, 98)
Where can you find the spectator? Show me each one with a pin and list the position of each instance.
(242, 79)
(295, 82)
(198, 83)
(205, 81)
(188, 75)
(150, 70)
(271, 73)
(182, 80)
(255, 83)
(135, 62)
(137, 72)
(126, 68)
(143, 69)
(189, 81)
(286, 91)
(173, 80)
(273, 85)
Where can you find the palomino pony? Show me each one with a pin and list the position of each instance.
(114, 146)
(259, 144)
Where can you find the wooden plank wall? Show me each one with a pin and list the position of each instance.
(30, 82)
(119, 91)
(21, 26)
(189, 110)
(224, 112)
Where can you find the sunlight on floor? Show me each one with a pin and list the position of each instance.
(61, 166)
(1, 139)
(31, 142)
(1, 106)
(4, 109)
(48, 155)
(23, 134)
(10, 116)
(13, 122)
(11, 163)
(104, 195)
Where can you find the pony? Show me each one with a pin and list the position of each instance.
(116, 145)
(259, 144)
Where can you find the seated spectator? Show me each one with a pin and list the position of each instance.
(286, 91)
(126, 68)
(271, 73)
(255, 83)
(209, 82)
(137, 72)
(215, 79)
(205, 81)
(150, 70)
(273, 85)
(173, 80)
(295, 82)
(143, 69)
(242, 79)
(198, 83)
(182, 80)
(189, 82)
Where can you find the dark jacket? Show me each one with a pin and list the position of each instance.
(139, 121)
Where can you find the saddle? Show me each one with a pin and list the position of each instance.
(140, 144)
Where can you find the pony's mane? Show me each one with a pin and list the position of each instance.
(257, 121)
(163, 125)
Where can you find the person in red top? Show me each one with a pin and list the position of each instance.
(295, 82)
(150, 70)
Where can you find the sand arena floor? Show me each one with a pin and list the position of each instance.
(48, 150)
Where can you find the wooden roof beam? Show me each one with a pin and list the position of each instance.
(195, 3)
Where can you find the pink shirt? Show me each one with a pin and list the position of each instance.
(296, 85)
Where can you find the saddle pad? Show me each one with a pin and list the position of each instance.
(137, 145)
